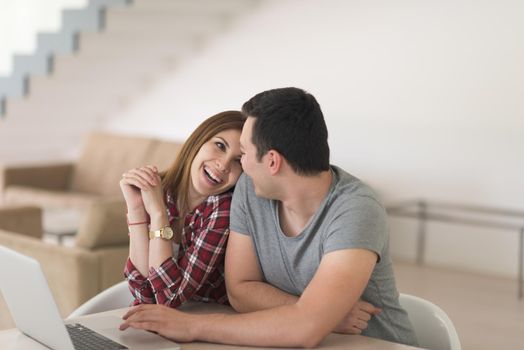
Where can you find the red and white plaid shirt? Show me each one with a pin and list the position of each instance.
(197, 273)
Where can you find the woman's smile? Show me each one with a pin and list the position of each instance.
(212, 176)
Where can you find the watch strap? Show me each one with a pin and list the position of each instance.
(160, 233)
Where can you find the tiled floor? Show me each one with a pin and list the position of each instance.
(484, 309)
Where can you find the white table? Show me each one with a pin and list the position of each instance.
(12, 339)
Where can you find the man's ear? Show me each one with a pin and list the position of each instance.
(274, 161)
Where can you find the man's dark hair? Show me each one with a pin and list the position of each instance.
(289, 120)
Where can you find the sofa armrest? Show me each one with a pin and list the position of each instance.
(73, 274)
(48, 176)
(25, 220)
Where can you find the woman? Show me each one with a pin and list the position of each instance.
(179, 220)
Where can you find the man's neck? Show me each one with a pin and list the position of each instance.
(301, 199)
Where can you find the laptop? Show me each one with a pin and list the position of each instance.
(36, 315)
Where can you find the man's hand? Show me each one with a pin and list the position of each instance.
(167, 322)
(357, 318)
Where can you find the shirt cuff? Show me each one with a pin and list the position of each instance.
(132, 274)
(161, 278)
(139, 285)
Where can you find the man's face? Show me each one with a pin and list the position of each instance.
(256, 170)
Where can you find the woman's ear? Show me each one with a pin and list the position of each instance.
(274, 159)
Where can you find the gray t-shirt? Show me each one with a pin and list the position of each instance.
(349, 217)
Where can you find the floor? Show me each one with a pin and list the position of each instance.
(484, 309)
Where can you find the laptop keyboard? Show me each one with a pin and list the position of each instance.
(86, 339)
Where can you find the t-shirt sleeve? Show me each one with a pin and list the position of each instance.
(360, 223)
(238, 219)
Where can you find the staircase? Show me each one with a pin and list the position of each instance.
(139, 44)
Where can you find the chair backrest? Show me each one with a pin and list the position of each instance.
(433, 327)
(115, 297)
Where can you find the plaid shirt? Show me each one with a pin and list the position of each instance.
(197, 273)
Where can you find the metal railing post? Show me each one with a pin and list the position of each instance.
(421, 237)
(521, 262)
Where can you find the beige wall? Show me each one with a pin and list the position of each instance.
(422, 98)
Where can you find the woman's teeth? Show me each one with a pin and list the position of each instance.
(212, 176)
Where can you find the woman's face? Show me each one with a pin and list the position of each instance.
(216, 166)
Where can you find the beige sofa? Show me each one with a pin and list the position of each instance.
(76, 273)
(95, 175)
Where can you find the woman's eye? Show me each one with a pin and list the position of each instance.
(220, 145)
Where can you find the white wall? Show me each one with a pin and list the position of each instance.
(422, 99)
(20, 20)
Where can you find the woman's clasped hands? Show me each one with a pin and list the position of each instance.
(142, 190)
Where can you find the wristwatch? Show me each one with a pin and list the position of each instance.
(165, 233)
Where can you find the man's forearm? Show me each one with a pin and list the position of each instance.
(255, 295)
(286, 326)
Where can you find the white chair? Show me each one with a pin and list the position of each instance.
(115, 297)
(433, 327)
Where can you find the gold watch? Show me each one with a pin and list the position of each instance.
(164, 233)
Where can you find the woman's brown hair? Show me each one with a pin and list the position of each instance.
(177, 179)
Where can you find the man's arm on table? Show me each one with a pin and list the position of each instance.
(248, 292)
(246, 289)
(335, 288)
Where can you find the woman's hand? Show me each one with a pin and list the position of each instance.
(152, 193)
(134, 182)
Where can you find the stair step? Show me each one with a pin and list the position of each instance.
(96, 88)
(81, 94)
(197, 6)
(83, 64)
(125, 45)
(77, 110)
(126, 19)
(80, 110)
(63, 82)
(86, 102)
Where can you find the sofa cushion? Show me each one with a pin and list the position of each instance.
(105, 157)
(22, 219)
(104, 225)
(48, 198)
(50, 176)
(163, 153)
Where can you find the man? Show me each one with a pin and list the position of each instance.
(307, 241)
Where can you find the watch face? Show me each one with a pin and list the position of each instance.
(167, 233)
